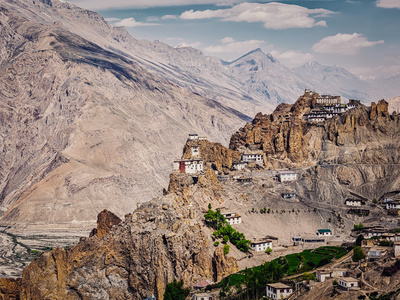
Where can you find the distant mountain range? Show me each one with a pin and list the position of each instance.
(254, 82)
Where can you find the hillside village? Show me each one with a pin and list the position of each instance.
(246, 171)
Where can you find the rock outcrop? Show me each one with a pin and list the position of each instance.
(161, 241)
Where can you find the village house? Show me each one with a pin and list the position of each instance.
(367, 243)
(188, 166)
(253, 158)
(201, 284)
(348, 283)
(389, 236)
(261, 245)
(313, 240)
(239, 166)
(289, 195)
(195, 151)
(244, 180)
(393, 205)
(232, 218)
(193, 137)
(203, 296)
(368, 234)
(296, 240)
(151, 298)
(396, 248)
(322, 275)
(353, 103)
(202, 138)
(324, 232)
(376, 253)
(285, 176)
(353, 202)
(278, 290)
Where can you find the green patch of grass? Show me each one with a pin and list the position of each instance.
(36, 252)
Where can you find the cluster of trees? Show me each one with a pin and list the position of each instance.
(175, 291)
(255, 280)
(217, 221)
(358, 254)
(358, 226)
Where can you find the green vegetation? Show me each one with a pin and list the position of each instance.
(358, 226)
(216, 243)
(175, 291)
(226, 249)
(358, 254)
(217, 221)
(386, 243)
(359, 240)
(269, 250)
(255, 279)
(37, 252)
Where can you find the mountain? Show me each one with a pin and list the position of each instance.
(265, 78)
(266, 81)
(336, 81)
(83, 128)
(394, 104)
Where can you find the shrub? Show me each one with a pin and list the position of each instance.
(226, 249)
(225, 239)
(216, 244)
(175, 291)
(386, 243)
(358, 254)
(269, 250)
(358, 226)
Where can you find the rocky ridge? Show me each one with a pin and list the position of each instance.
(162, 240)
(69, 140)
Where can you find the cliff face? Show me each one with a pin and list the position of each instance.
(361, 135)
(83, 129)
(161, 241)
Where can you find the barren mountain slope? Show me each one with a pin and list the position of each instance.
(394, 104)
(82, 129)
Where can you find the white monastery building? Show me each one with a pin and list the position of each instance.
(232, 218)
(189, 166)
(261, 245)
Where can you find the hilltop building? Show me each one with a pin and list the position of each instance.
(322, 275)
(348, 283)
(328, 100)
(253, 158)
(353, 202)
(188, 166)
(193, 137)
(195, 151)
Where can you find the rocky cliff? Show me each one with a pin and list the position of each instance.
(356, 136)
(83, 129)
(162, 240)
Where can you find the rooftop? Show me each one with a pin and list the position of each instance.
(202, 284)
(349, 279)
(324, 230)
(278, 285)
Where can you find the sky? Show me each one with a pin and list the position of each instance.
(360, 36)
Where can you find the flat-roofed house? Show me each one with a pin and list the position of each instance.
(232, 218)
(324, 232)
(348, 283)
(322, 275)
(261, 245)
(285, 176)
(278, 290)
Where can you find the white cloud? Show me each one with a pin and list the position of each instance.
(342, 43)
(388, 3)
(131, 22)
(272, 15)
(193, 45)
(292, 58)
(232, 49)
(169, 17)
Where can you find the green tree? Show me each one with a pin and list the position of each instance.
(175, 291)
(358, 254)
(359, 240)
(358, 226)
(209, 206)
(269, 250)
(226, 249)
(225, 239)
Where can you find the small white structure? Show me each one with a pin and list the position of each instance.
(193, 137)
(396, 248)
(287, 176)
(322, 275)
(353, 202)
(194, 151)
(328, 99)
(202, 138)
(203, 296)
(278, 290)
(348, 283)
(188, 166)
(253, 157)
(232, 218)
(371, 234)
(239, 166)
(261, 245)
(393, 205)
(324, 232)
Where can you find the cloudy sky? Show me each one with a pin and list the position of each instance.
(361, 36)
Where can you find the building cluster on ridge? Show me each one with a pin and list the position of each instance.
(327, 106)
